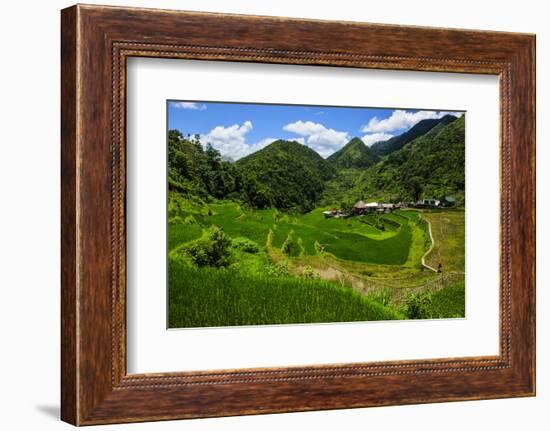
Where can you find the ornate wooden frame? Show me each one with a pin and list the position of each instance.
(95, 43)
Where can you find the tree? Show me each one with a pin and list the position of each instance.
(256, 193)
(212, 249)
(289, 245)
(414, 186)
(197, 170)
(174, 135)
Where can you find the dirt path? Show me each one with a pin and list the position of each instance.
(366, 286)
(398, 288)
(423, 260)
(334, 274)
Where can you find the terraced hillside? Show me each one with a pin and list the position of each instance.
(278, 236)
(314, 268)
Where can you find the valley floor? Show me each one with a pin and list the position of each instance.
(303, 268)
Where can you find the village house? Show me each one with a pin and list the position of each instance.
(446, 202)
(427, 203)
(360, 207)
(373, 207)
(386, 208)
(333, 213)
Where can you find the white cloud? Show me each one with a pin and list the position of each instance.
(231, 141)
(372, 138)
(305, 128)
(189, 105)
(400, 120)
(321, 139)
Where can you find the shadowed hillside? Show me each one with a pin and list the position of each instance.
(397, 142)
(288, 174)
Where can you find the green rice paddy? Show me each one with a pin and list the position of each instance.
(315, 279)
(214, 297)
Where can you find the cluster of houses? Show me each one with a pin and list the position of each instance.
(446, 202)
(362, 207)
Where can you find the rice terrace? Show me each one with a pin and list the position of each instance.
(315, 225)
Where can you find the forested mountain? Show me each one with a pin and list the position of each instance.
(355, 154)
(397, 142)
(291, 176)
(431, 166)
(285, 174)
(288, 174)
(197, 170)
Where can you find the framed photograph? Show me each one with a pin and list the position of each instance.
(280, 230)
(260, 217)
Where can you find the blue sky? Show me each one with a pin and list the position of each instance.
(238, 129)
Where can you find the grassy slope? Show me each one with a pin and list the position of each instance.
(246, 288)
(448, 233)
(244, 294)
(349, 245)
(449, 302)
(349, 239)
(385, 250)
(418, 237)
(212, 297)
(182, 233)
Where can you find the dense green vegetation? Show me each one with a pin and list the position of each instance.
(448, 302)
(384, 148)
(291, 176)
(431, 166)
(286, 175)
(355, 154)
(377, 239)
(182, 233)
(198, 171)
(214, 297)
(249, 244)
(252, 247)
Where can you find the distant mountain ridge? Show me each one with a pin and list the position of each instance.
(425, 162)
(384, 148)
(430, 166)
(355, 154)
